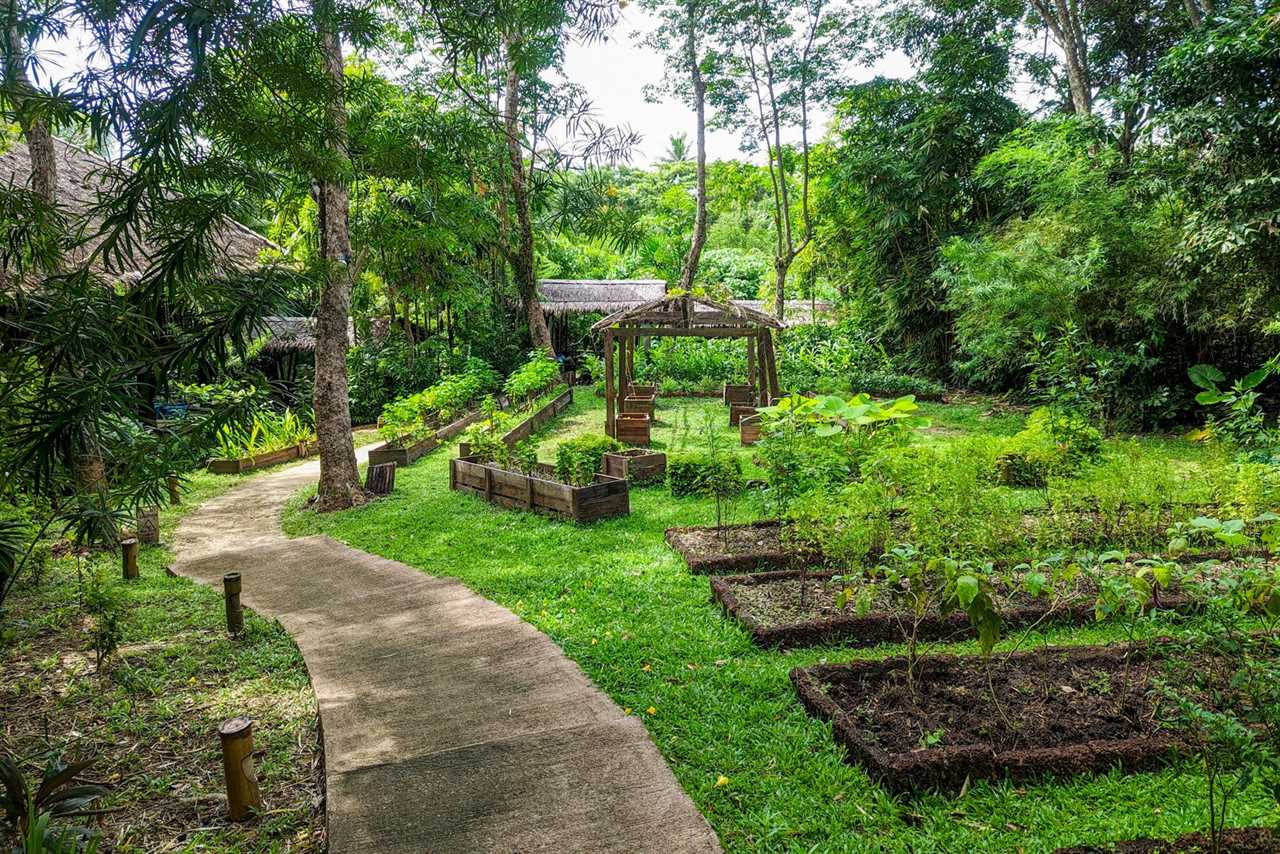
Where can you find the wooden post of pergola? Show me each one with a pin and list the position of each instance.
(685, 316)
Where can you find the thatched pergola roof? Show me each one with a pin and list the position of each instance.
(83, 178)
(579, 296)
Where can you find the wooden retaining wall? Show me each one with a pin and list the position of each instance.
(270, 458)
(605, 498)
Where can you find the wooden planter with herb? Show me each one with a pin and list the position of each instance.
(605, 498)
(738, 411)
(749, 428)
(406, 451)
(633, 428)
(636, 465)
(735, 393)
(267, 458)
(646, 404)
(537, 420)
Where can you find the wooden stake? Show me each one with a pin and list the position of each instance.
(175, 497)
(243, 796)
(231, 593)
(608, 383)
(129, 558)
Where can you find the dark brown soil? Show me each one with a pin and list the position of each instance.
(1244, 840)
(770, 606)
(1056, 711)
(737, 548)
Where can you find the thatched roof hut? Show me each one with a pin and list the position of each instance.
(84, 178)
(799, 312)
(287, 334)
(559, 297)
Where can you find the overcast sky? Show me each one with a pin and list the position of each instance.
(614, 73)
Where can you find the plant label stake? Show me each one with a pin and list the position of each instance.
(243, 795)
(149, 525)
(129, 558)
(231, 593)
(175, 498)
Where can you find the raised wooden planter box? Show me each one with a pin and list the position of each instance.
(738, 411)
(257, 461)
(605, 498)
(633, 428)
(636, 465)
(749, 429)
(734, 393)
(409, 454)
(535, 422)
(646, 404)
(642, 390)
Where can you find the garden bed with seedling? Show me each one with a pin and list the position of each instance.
(752, 547)
(540, 418)
(841, 609)
(539, 491)
(268, 458)
(1243, 840)
(1058, 711)
(406, 451)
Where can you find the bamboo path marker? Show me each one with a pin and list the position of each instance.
(243, 796)
(129, 558)
(235, 611)
(175, 497)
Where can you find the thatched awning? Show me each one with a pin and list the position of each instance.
(799, 312)
(295, 334)
(83, 178)
(580, 296)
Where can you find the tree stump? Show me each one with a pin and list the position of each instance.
(380, 479)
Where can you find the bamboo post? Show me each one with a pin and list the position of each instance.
(243, 796)
(175, 497)
(231, 594)
(751, 361)
(129, 558)
(608, 383)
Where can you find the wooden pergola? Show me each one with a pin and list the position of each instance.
(689, 317)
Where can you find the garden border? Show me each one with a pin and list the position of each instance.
(604, 498)
(409, 455)
(952, 768)
(268, 458)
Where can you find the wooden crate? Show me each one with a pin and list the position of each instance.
(642, 390)
(734, 393)
(738, 411)
(605, 498)
(403, 455)
(636, 403)
(633, 428)
(258, 461)
(749, 429)
(636, 465)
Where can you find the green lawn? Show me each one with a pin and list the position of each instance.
(626, 609)
(149, 718)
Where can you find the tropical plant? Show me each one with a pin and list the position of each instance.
(31, 811)
(268, 431)
(532, 378)
(1237, 416)
(578, 460)
(413, 418)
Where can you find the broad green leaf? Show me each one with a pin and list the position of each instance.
(967, 589)
(1205, 376)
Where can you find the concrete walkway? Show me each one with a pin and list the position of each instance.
(450, 725)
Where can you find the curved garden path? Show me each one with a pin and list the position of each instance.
(450, 725)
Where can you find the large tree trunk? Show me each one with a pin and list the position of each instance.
(35, 130)
(522, 260)
(339, 477)
(690, 270)
(1064, 18)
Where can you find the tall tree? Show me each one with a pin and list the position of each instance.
(23, 24)
(1065, 20)
(784, 58)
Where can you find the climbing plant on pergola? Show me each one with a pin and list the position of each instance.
(691, 317)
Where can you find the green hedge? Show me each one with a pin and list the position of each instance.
(700, 474)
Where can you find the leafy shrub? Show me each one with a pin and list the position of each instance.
(886, 383)
(1054, 442)
(378, 372)
(414, 416)
(701, 473)
(532, 378)
(268, 431)
(1238, 418)
(579, 459)
(485, 436)
(687, 364)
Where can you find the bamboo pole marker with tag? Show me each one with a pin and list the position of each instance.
(243, 796)
(175, 497)
(231, 593)
(129, 557)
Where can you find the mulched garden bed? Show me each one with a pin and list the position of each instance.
(737, 548)
(768, 605)
(1243, 840)
(1061, 711)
